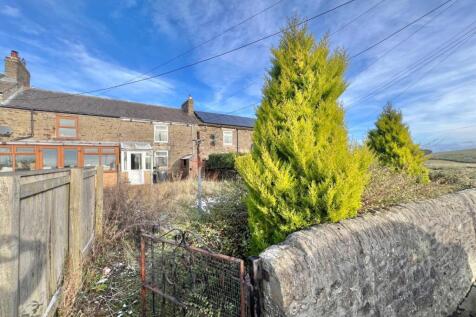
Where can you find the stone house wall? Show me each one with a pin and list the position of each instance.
(106, 129)
(212, 137)
(418, 259)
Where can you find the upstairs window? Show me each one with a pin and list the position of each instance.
(227, 137)
(161, 133)
(66, 127)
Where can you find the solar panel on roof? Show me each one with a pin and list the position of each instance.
(225, 119)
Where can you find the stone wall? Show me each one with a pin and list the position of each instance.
(180, 144)
(213, 140)
(90, 128)
(417, 259)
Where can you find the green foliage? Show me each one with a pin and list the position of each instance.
(301, 170)
(224, 224)
(221, 161)
(392, 143)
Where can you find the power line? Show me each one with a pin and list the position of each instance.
(407, 38)
(356, 18)
(450, 52)
(399, 30)
(331, 34)
(442, 49)
(184, 53)
(242, 108)
(202, 60)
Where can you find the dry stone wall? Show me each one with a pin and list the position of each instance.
(417, 259)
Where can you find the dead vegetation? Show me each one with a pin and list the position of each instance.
(387, 188)
(111, 282)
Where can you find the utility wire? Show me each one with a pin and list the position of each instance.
(442, 49)
(450, 53)
(391, 49)
(243, 108)
(356, 18)
(342, 27)
(399, 30)
(184, 53)
(202, 60)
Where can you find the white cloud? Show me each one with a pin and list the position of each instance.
(81, 70)
(10, 11)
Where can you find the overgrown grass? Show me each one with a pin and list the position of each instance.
(111, 282)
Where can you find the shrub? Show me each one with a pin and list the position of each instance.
(221, 161)
(301, 170)
(393, 145)
(224, 225)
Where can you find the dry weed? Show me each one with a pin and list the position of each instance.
(387, 188)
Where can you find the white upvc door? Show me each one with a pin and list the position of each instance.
(135, 167)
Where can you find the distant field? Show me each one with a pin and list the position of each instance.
(463, 156)
(459, 165)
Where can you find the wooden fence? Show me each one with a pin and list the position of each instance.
(47, 219)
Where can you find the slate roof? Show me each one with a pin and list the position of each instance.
(225, 119)
(6, 84)
(44, 100)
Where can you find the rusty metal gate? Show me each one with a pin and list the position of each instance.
(180, 279)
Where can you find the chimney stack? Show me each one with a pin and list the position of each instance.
(187, 106)
(15, 68)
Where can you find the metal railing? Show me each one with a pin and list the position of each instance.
(181, 279)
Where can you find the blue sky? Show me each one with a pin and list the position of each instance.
(83, 45)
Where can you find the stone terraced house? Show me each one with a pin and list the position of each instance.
(42, 129)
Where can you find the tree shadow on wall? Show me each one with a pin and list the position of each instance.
(29, 277)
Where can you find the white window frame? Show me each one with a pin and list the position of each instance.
(149, 155)
(226, 132)
(156, 154)
(166, 129)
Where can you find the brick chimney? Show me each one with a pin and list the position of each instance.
(187, 106)
(15, 68)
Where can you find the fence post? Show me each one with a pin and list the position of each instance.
(99, 212)
(255, 271)
(75, 205)
(9, 244)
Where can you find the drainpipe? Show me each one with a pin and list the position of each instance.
(237, 142)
